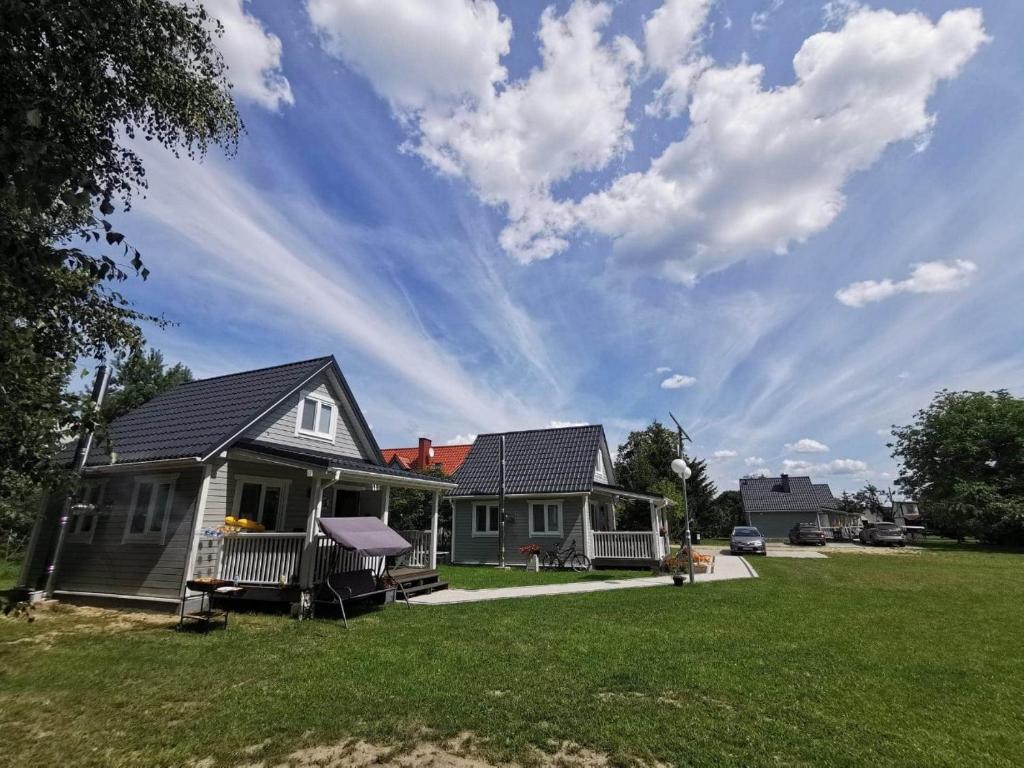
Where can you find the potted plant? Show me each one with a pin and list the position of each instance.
(532, 552)
(674, 565)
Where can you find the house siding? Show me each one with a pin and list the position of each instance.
(132, 568)
(776, 525)
(278, 426)
(471, 549)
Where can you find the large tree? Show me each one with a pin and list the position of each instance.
(84, 83)
(140, 375)
(644, 465)
(963, 460)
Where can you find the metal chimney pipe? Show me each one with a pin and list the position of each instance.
(82, 448)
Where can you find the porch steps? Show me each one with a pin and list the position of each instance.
(417, 581)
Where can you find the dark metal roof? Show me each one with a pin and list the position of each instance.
(558, 460)
(618, 489)
(767, 494)
(325, 460)
(196, 418)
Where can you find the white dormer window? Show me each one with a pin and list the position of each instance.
(316, 418)
(599, 471)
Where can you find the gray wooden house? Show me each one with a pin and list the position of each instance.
(773, 505)
(559, 487)
(279, 446)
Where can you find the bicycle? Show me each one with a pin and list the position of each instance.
(559, 558)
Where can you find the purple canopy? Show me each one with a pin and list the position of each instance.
(365, 535)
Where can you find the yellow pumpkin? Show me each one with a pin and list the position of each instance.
(229, 520)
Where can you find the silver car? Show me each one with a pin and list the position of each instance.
(745, 539)
(883, 534)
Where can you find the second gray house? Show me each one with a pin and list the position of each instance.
(773, 505)
(559, 487)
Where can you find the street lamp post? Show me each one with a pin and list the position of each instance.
(680, 468)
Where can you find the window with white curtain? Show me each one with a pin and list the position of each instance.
(316, 418)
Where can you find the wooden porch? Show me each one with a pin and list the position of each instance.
(628, 548)
(276, 566)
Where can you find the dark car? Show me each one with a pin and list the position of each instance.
(747, 539)
(806, 533)
(884, 534)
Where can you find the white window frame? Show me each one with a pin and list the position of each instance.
(486, 534)
(320, 401)
(599, 470)
(547, 503)
(283, 484)
(75, 533)
(146, 535)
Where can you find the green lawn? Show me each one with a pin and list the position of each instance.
(907, 660)
(8, 573)
(485, 577)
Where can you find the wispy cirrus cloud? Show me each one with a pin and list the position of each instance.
(926, 277)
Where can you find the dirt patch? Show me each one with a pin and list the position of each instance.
(454, 753)
(68, 620)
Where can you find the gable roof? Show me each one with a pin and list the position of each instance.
(767, 494)
(200, 418)
(449, 457)
(536, 461)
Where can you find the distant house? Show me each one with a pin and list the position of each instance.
(426, 456)
(559, 487)
(775, 504)
(280, 447)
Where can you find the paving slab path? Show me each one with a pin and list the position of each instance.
(726, 569)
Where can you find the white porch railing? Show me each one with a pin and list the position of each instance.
(420, 555)
(273, 559)
(261, 558)
(625, 545)
(331, 558)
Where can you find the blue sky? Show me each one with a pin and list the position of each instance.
(789, 223)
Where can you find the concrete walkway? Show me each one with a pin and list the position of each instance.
(726, 569)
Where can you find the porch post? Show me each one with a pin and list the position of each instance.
(655, 536)
(588, 539)
(385, 504)
(308, 568)
(433, 529)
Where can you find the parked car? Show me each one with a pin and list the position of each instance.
(883, 534)
(806, 533)
(746, 539)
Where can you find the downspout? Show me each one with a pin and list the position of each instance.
(99, 390)
(501, 502)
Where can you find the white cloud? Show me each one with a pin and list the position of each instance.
(461, 439)
(759, 472)
(758, 168)
(678, 381)
(252, 55)
(672, 49)
(417, 55)
(511, 141)
(725, 453)
(753, 461)
(926, 277)
(807, 445)
(834, 467)
(556, 424)
(662, 369)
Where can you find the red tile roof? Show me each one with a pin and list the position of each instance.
(449, 457)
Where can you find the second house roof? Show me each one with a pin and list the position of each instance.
(536, 461)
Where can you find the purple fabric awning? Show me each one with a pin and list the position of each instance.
(365, 535)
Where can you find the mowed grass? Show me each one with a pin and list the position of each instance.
(908, 660)
(486, 577)
(9, 571)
